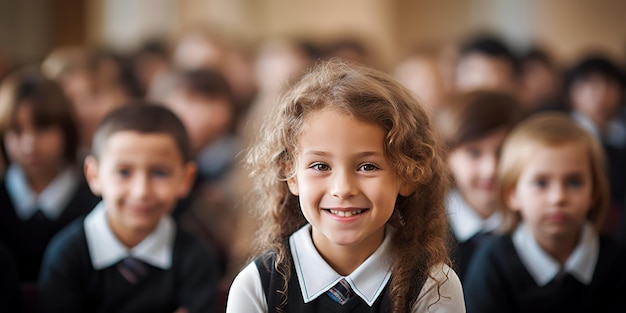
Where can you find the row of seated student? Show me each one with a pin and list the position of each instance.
(506, 206)
(45, 195)
(184, 92)
(591, 90)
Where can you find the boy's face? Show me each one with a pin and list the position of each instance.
(596, 97)
(140, 177)
(205, 119)
(473, 165)
(478, 71)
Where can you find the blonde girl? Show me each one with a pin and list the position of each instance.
(553, 187)
(351, 185)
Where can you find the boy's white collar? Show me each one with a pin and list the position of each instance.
(106, 250)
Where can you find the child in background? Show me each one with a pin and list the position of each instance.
(485, 62)
(348, 174)
(10, 297)
(203, 100)
(473, 126)
(128, 255)
(554, 193)
(595, 90)
(44, 188)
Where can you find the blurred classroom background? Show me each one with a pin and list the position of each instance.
(104, 53)
(29, 29)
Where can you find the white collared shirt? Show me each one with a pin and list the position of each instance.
(51, 201)
(614, 130)
(543, 268)
(105, 249)
(464, 221)
(316, 277)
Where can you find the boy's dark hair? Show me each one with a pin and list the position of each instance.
(144, 118)
(50, 106)
(595, 64)
(209, 83)
(539, 55)
(493, 47)
(471, 116)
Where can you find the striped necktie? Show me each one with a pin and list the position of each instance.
(132, 269)
(341, 292)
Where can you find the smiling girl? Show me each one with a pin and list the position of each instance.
(351, 191)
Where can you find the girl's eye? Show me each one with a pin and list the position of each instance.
(574, 182)
(368, 167)
(160, 173)
(320, 167)
(541, 183)
(122, 172)
(474, 153)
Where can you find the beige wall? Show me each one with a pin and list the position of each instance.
(573, 27)
(389, 27)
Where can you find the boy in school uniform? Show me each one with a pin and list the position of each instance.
(128, 255)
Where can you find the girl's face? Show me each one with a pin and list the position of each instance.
(346, 185)
(553, 193)
(473, 167)
(38, 150)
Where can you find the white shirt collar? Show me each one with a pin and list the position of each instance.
(464, 221)
(543, 268)
(105, 249)
(316, 276)
(51, 201)
(614, 132)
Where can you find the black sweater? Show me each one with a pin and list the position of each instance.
(497, 281)
(69, 283)
(27, 240)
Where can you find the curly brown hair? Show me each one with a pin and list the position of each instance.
(419, 242)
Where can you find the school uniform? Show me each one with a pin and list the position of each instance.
(83, 270)
(10, 296)
(469, 230)
(613, 140)
(28, 221)
(312, 278)
(513, 274)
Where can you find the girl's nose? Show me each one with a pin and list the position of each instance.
(557, 194)
(27, 142)
(343, 185)
(488, 166)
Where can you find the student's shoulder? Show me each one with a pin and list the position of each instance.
(613, 251)
(71, 234)
(188, 246)
(68, 242)
(496, 250)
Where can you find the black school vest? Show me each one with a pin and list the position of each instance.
(272, 283)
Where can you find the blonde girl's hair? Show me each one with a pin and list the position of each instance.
(419, 242)
(549, 130)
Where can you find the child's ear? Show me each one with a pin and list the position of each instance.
(92, 175)
(293, 186)
(512, 200)
(189, 176)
